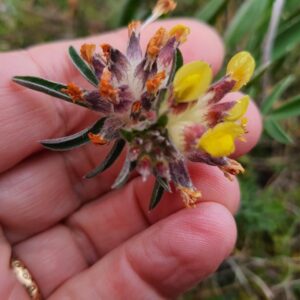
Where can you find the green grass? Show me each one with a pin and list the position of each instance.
(266, 261)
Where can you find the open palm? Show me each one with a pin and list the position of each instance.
(79, 239)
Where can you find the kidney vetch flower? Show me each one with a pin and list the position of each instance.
(164, 112)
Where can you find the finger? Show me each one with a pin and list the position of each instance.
(130, 206)
(52, 257)
(9, 287)
(163, 261)
(99, 227)
(29, 206)
(29, 116)
(46, 188)
(59, 254)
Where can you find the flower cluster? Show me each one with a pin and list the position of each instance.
(166, 112)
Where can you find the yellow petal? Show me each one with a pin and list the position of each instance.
(191, 81)
(219, 140)
(240, 68)
(239, 109)
(180, 32)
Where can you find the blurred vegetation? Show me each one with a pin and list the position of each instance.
(266, 262)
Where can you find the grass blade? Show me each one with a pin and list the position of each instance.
(242, 24)
(129, 12)
(45, 86)
(259, 72)
(287, 40)
(275, 131)
(109, 160)
(83, 68)
(75, 140)
(211, 10)
(276, 93)
(287, 110)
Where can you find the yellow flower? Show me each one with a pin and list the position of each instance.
(191, 81)
(219, 140)
(240, 68)
(239, 109)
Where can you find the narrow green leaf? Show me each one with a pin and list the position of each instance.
(211, 10)
(177, 64)
(164, 183)
(288, 109)
(162, 96)
(122, 178)
(287, 40)
(109, 159)
(162, 121)
(242, 23)
(45, 86)
(291, 6)
(157, 194)
(129, 11)
(255, 40)
(179, 60)
(275, 131)
(83, 68)
(75, 140)
(258, 73)
(276, 93)
(127, 135)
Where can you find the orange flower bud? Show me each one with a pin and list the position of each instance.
(97, 139)
(74, 92)
(87, 52)
(154, 83)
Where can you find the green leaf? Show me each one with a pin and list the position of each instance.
(164, 183)
(255, 40)
(129, 11)
(45, 86)
(127, 135)
(157, 194)
(243, 23)
(276, 93)
(258, 73)
(211, 10)
(275, 131)
(287, 40)
(162, 96)
(177, 64)
(162, 121)
(178, 59)
(289, 109)
(109, 159)
(83, 68)
(122, 178)
(75, 140)
(291, 6)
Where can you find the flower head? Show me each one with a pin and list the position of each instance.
(165, 112)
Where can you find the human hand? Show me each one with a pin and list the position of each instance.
(79, 239)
